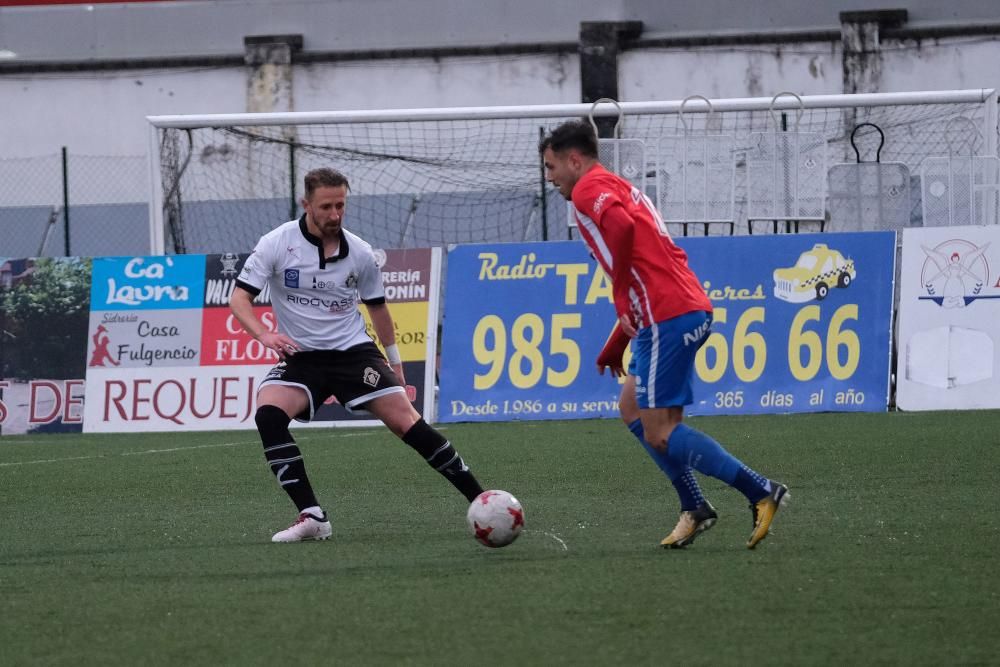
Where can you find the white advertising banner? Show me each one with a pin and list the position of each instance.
(187, 398)
(949, 319)
(165, 353)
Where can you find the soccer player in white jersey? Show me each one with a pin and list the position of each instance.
(318, 272)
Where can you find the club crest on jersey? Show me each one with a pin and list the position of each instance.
(352, 280)
(277, 372)
(371, 376)
(246, 265)
(291, 277)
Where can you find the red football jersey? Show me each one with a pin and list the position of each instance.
(649, 273)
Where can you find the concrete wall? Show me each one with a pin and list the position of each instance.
(424, 82)
(72, 74)
(959, 62)
(80, 31)
(103, 113)
(806, 69)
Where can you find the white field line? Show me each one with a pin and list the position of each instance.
(181, 449)
(70, 458)
(168, 450)
(561, 543)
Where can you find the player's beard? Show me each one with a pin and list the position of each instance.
(331, 229)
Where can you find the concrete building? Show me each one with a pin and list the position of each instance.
(85, 75)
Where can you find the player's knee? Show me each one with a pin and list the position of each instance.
(398, 415)
(401, 423)
(628, 407)
(658, 435)
(668, 430)
(271, 420)
(628, 413)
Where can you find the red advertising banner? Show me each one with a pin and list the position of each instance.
(224, 342)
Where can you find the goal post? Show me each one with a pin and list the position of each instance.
(433, 177)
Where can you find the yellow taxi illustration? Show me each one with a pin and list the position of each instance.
(813, 275)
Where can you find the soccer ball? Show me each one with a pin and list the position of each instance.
(495, 518)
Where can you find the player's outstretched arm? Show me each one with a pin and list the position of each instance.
(386, 331)
(241, 303)
(612, 356)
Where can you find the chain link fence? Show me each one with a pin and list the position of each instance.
(103, 202)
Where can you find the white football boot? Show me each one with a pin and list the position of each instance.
(306, 527)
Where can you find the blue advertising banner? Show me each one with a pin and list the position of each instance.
(792, 332)
(145, 283)
(523, 325)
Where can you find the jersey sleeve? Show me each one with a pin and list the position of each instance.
(600, 199)
(593, 198)
(370, 287)
(258, 268)
(619, 235)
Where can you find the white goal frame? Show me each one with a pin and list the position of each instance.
(984, 96)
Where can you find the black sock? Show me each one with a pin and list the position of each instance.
(283, 455)
(441, 456)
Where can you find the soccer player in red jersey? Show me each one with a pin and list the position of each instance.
(663, 309)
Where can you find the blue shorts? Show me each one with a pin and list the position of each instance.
(663, 360)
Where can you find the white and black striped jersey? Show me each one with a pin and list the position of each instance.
(315, 298)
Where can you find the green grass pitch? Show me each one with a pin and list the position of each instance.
(154, 549)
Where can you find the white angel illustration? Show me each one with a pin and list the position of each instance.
(955, 270)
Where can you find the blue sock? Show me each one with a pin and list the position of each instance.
(751, 484)
(689, 447)
(681, 477)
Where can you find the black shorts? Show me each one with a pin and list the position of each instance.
(354, 376)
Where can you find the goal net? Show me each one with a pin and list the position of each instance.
(431, 177)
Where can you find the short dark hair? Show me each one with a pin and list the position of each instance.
(324, 177)
(578, 134)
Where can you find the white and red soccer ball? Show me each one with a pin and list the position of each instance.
(495, 518)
